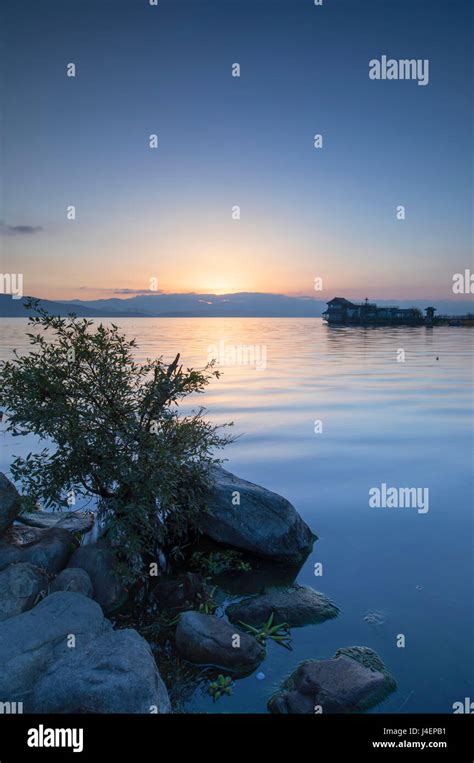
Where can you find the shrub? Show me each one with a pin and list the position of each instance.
(117, 431)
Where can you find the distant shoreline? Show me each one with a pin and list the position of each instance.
(235, 305)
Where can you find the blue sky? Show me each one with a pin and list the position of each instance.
(245, 141)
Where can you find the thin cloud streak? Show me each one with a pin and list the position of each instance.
(19, 230)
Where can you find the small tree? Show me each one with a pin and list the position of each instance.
(117, 431)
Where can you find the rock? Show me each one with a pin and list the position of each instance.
(21, 586)
(115, 673)
(264, 524)
(74, 521)
(105, 670)
(295, 605)
(208, 640)
(182, 593)
(30, 642)
(100, 563)
(354, 680)
(10, 503)
(18, 535)
(47, 549)
(73, 579)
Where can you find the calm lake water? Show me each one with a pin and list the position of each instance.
(406, 424)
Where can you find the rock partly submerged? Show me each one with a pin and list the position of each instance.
(210, 640)
(47, 549)
(260, 522)
(10, 503)
(64, 656)
(21, 586)
(354, 680)
(295, 605)
(100, 563)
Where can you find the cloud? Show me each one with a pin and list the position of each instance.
(137, 291)
(19, 230)
(121, 290)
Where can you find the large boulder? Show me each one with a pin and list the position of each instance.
(294, 605)
(209, 640)
(30, 642)
(72, 579)
(47, 549)
(10, 503)
(354, 680)
(115, 673)
(63, 656)
(100, 563)
(262, 523)
(21, 586)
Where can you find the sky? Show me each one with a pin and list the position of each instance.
(306, 213)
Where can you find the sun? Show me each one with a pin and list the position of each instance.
(220, 287)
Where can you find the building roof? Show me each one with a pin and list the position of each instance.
(341, 301)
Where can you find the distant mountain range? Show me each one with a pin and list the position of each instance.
(243, 304)
(14, 308)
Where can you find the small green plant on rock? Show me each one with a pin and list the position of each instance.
(219, 562)
(221, 686)
(279, 633)
(207, 603)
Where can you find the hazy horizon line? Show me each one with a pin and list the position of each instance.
(129, 295)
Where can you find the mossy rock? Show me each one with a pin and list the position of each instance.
(352, 681)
